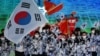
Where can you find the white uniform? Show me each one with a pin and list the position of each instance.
(98, 45)
(19, 48)
(50, 49)
(5, 48)
(56, 31)
(98, 51)
(79, 51)
(93, 43)
(88, 49)
(27, 44)
(61, 48)
(36, 47)
(61, 52)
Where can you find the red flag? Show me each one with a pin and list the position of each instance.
(51, 7)
(32, 33)
(72, 22)
(63, 25)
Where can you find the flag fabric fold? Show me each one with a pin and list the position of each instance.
(51, 7)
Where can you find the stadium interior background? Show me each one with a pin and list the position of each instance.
(88, 11)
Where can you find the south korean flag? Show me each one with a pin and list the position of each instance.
(25, 18)
(96, 24)
(84, 25)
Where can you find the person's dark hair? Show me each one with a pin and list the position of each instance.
(37, 32)
(54, 35)
(97, 32)
(77, 29)
(92, 28)
(2, 30)
(43, 28)
(83, 33)
(73, 33)
(47, 26)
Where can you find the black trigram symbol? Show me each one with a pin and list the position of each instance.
(37, 17)
(25, 5)
(19, 31)
(9, 24)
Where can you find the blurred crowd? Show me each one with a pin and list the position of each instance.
(52, 42)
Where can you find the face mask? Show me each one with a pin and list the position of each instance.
(47, 31)
(93, 31)
(57, 30)
(63, 39)
(2, 38)
(52, 36)
(36, 35)
(44, 31)
(84, 37)
(73, 37)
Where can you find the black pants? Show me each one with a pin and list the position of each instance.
(44, 54)
(40, 55)
(94, 54)
(19, 53)
(36, 55)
